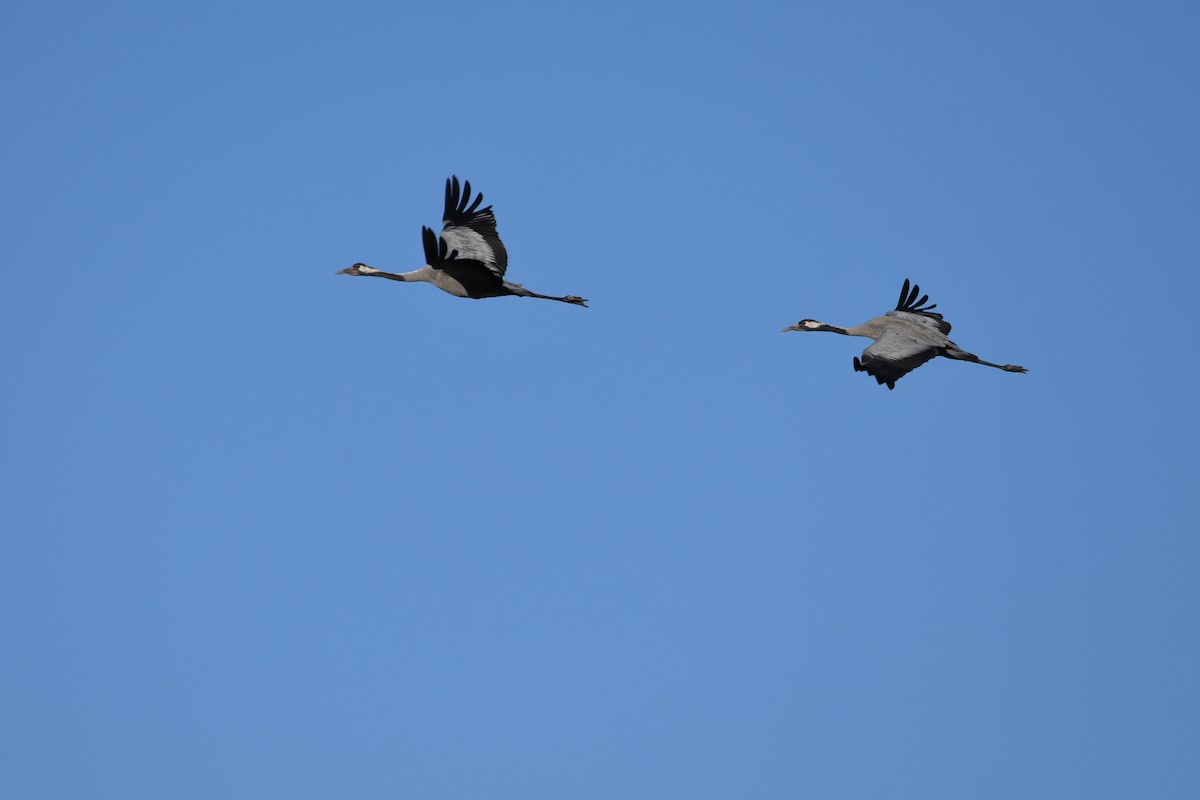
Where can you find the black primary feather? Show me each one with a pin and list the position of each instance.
(436, 254)
(880, 378)
(911, 305)
(909, 302)
(435, 248)
(430, 240)
(456, 202)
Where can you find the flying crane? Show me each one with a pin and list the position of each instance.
(904, 339)
(467, 259)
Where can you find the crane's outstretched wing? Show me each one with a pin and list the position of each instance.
(471, 230)
(895, 354)
(909, 304)
(477, 279)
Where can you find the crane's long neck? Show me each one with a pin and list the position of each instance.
(853, 331)
(871, 329)
(391, 276)
(868, 329)
(423, 274)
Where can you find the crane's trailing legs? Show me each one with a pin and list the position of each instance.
(962, 355)
(521, 291)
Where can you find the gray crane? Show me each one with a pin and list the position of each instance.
(467, 259)
(904, 339)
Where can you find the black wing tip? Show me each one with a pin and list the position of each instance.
(458, 201)
(913, 301)
(877, 374)
(436, 250)
(908, 296)
(429, 242)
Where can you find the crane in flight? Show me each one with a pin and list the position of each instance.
(904, 339)
(467, 259)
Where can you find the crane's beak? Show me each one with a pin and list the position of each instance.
(790, 328)
(345, 271)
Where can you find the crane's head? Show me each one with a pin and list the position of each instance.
(356, 269)
(806, 325)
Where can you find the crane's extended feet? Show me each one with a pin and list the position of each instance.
(579, 301)
(1013, 368)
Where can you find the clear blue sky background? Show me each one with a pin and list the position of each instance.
(270, 532)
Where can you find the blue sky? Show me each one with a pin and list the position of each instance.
(275, 533)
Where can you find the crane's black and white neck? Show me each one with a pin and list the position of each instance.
(905, 338)
(467, 259)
